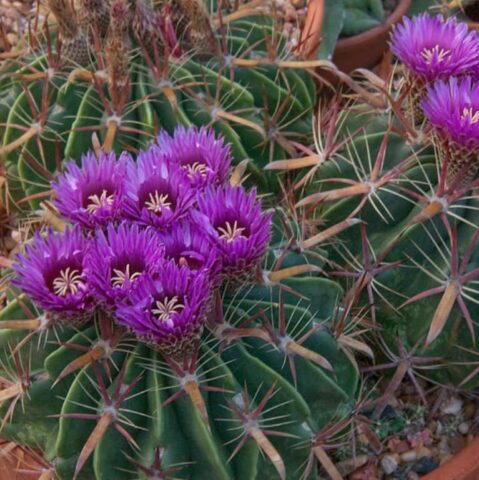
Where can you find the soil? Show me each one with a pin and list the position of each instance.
(14, 15)
(410, 438)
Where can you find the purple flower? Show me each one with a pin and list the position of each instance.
(156, 191)
(452, 107)
(188, 244)
(239, 228)
(205, 159)
(51, 273)
(432, 48)
(118, 259)
(91, 195)
(169, 312)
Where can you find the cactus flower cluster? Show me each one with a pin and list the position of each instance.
(442, 61)
(150, 239)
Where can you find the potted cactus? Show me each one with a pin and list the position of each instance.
(355, 34)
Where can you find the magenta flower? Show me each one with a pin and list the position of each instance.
(433, 48)
(188, 244)
(205, 159)
(51, 273)
(92, 195)
(452, 107)
(118, 259)
(238, 227)
(168, 313)
(156, 191)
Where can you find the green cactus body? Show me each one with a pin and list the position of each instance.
(245, 93)
(414, 253)
(260, 401)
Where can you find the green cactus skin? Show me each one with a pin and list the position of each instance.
(244, 93)
(360, 16)
(237, 369)
(415, 254)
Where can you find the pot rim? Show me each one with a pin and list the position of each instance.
(401, 9)
(462, 466)
(310, 41)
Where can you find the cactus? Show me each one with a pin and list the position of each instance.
(361, 16)
(100, 405)
(412, 258)
(121, 70)
(232, 371)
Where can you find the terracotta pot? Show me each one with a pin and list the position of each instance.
(463, 466)
(360, 51)
(17, 464)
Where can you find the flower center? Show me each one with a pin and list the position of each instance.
(436, 52)
(167, 307)
(121, 276)
(231, 232)
(470, 114)
(157, 201)
(196, 167)
(68, 281)
(96, 202)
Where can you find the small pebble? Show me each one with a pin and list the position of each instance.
(443, 445)
(464, 428)
(409, 456)
(347, 466)
(389, 463)
(423, 452)
(469, 410)
(452, 406)
(439, 428)
(425, 465)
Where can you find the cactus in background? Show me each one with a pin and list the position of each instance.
(412, 260)
(175, 374)
(123, 69)
(361, 16)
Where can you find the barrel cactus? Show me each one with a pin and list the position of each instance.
(175, 330)
(412, 258)
(121, 70)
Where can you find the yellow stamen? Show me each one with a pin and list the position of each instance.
(96, 202)
(231, 232)
(195, 168)
(157, 201)
(120, 276)
(436, 52)
(164, 309)
(67, 282)
(468, 112)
